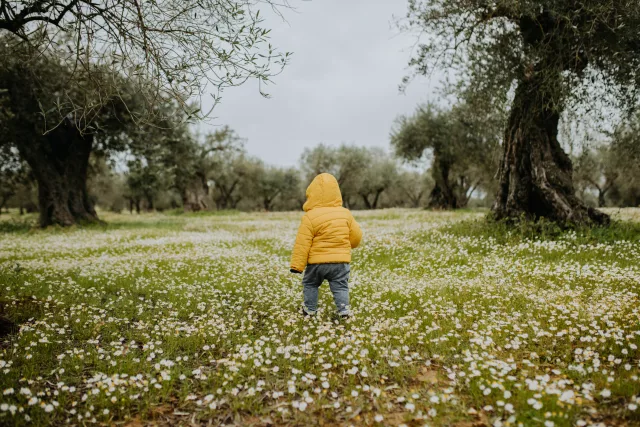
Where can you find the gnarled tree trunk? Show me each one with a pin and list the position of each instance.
(372, 205)
(601, 200)
(443, 195)
(535, 176)
(60, 161)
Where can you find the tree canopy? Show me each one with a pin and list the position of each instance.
(567, 45)
(460, 143)
(184, 48)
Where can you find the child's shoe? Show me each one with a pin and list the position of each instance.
(304, 312)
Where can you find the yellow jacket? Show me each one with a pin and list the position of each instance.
(328, 231)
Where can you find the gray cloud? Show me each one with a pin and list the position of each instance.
(341, 84)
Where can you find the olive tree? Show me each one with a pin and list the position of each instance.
(460, 144)
(58, 154)
(176, 44)
(380, 175)
(547, 53)
(624, 159)
(273, 183)
(190, 161)
(12, 174)
(412, 188)
(596, 169)
(78, 72)
(345, 162)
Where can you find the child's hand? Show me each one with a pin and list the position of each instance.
(293, 270)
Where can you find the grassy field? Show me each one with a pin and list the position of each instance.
(179, 319)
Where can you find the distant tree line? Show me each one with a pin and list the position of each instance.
(215, 172)
(452, 156)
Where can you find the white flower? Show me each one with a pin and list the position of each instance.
(48, 408)
(605, 393)
(378, 418)
(566, 396)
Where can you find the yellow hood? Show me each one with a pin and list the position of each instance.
(323, 192)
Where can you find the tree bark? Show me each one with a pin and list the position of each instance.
(443, 195)
(234, 202)
(367, 203)
(2, 203)
(150, 205)
(376, 199)
(535, 175)
(59, 161)
(184, 196)
(601, 200)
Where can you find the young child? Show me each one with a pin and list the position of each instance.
(323, 245)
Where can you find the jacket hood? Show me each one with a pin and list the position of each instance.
(323, 192)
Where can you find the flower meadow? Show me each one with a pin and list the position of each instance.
(195, 319)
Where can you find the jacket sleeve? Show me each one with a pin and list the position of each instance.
(355, 233)
(302, 246)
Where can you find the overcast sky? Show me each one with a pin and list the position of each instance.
(340, 86)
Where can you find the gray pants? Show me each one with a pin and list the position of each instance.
(338, 277)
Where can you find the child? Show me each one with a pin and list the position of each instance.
(323, 245)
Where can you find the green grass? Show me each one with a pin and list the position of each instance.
(173, 318)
